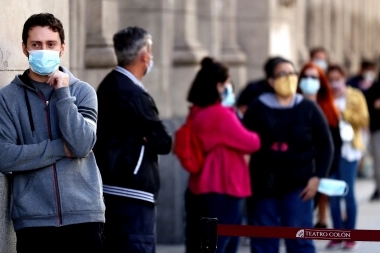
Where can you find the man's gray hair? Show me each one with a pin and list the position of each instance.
(128, 43)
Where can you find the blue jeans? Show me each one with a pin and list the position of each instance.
(347, 172)
(288, 211)
(228, 210)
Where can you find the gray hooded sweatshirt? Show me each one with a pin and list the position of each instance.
(49, 188)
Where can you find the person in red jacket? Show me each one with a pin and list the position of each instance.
(220, 188)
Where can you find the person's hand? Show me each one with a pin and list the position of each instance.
(58, 79)
(376, 104)
(67, 150)
(311, 189)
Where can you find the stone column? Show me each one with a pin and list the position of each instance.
(300, 24)
(188, 52)
(157, 18)
(77, 43)
(326, 25)
(336, 31)
(100, 27)
(371, 14)
(354, 51)
(282, 37)
(253, 34)
(376, 34)
(347, 45)
(314, 23)
(210, 28)
(362, 42)
(231, 53)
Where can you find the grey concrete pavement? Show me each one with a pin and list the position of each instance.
(368, 218)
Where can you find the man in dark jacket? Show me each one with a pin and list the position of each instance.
(130, 137)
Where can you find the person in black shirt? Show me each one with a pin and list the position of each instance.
(372, 96)
(365, 78)
(296, 151)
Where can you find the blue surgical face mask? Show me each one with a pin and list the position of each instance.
(228, 96)
(321, 63)
(309, 86)
(332, 187)
(44, 62)
(150, 65)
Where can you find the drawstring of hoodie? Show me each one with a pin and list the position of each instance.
(29, 111)
(25, 79)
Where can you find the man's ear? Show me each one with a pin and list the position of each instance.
(63, 50)
(24, 50)
(145, 57)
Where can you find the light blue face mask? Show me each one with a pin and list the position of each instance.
(309, 86)
(228, 96)
(321, 63)
(44, 62)
(332, 187)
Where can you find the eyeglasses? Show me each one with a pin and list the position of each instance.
(282, 74)
(312, 77)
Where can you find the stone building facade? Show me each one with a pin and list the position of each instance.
(241, 33)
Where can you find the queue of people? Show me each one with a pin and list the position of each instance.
(310, 125)
(84, 162)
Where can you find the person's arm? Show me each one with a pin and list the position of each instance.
(357, 115)
(324, 152)
(155, 133)
(16, 156)
(77, 119)
(236, 136)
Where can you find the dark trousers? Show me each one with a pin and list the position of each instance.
(84, 237)
(130, 225)
(227, 209)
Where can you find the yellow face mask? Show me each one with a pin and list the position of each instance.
(286, 86)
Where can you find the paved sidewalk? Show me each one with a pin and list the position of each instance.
(368, 218)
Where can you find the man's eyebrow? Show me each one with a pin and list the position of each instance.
(39, 41)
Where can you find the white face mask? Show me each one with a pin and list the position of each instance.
(321, 63)
(369, 76)
(332, 187)
(149, 68)
(228, 96)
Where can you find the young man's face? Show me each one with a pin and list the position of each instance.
(43, 38)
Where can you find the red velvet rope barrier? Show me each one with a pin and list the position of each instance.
(298, 233)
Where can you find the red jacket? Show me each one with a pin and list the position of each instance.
(225, 141)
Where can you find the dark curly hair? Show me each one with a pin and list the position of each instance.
(43, 19)
(203, 91)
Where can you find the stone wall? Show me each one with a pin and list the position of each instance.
(242, 33)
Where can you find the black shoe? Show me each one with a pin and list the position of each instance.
(320, 225)
(375, 196)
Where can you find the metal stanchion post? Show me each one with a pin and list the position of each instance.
(209, 234)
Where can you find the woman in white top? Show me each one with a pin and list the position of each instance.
(354, 117)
